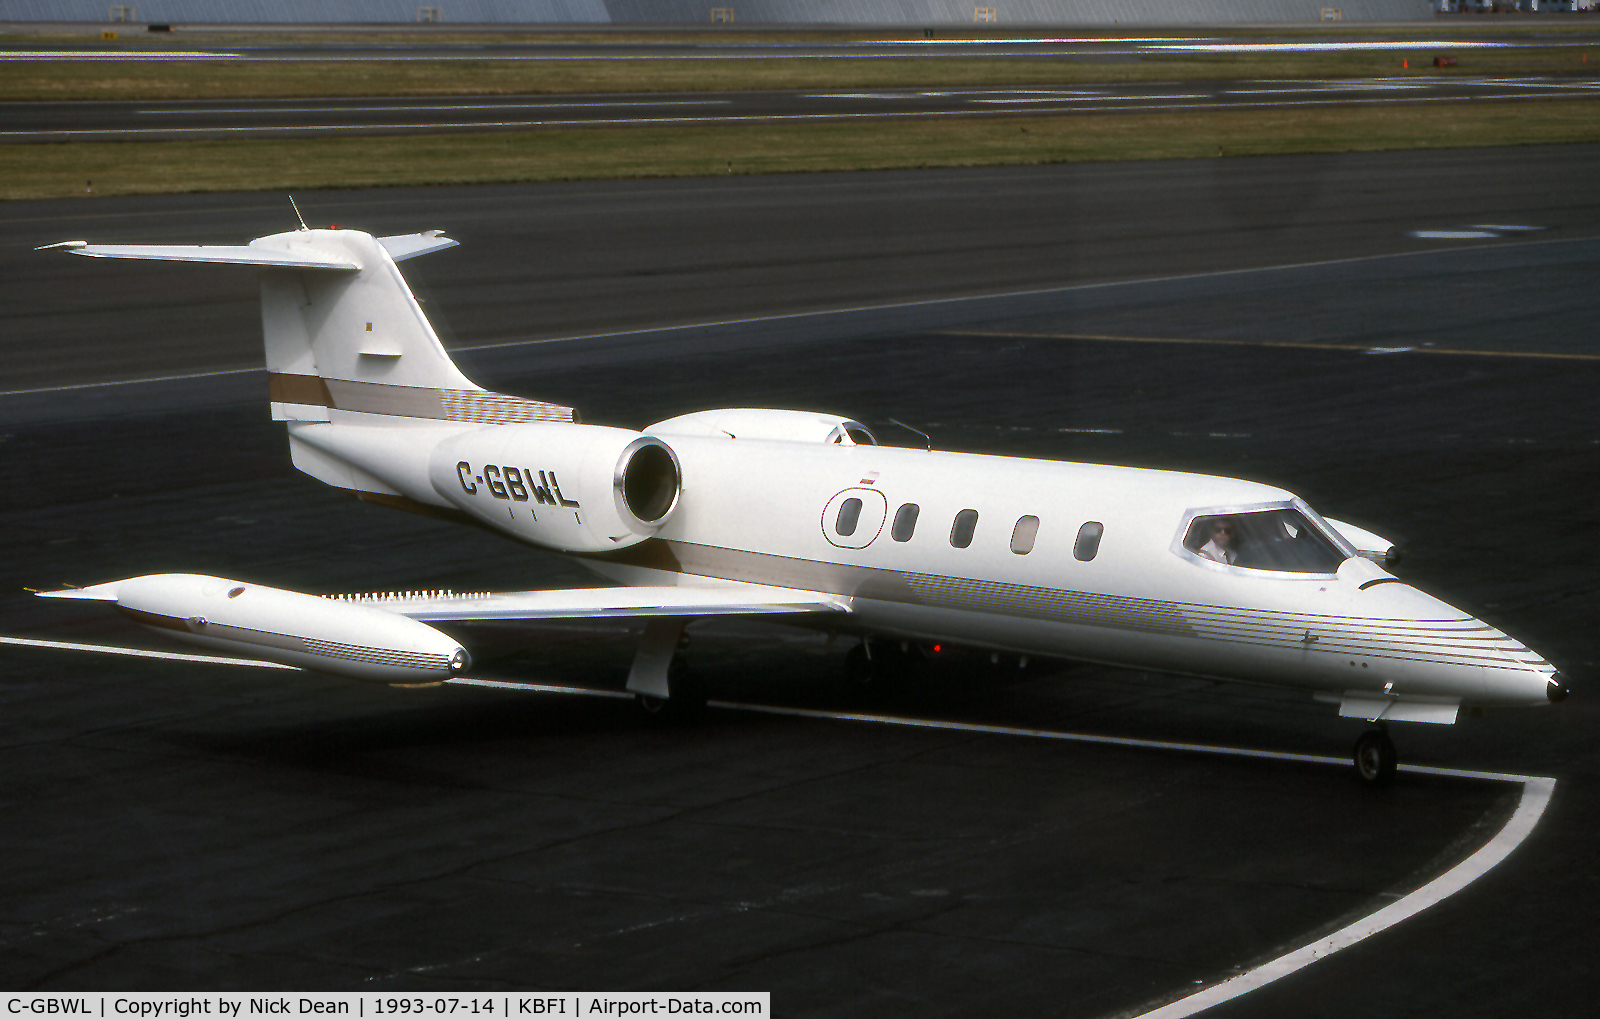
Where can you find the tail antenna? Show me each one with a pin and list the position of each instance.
(297, 215)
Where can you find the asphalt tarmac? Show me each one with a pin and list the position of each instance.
(187, 826)
(295, 118)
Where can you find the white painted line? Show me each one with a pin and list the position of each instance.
(1089, 41)
(438, 106)
(539, 688)
(857, 309)
(1536, 791)
(1374, 86)
(1450, 235)
(1319, 47)
(1503, 228)
(754, 118)
(113, 55)
(129, 652)
(1089, 99)
(1006, 730)
(1535, 797)
(129, 382)
(447, 58)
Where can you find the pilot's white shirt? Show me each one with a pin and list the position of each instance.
(1216, 553)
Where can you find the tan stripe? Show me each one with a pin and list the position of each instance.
(1359, 347)
(400, 502)
(305, 389)
(382, 398)
(153, 619)
(475, 406)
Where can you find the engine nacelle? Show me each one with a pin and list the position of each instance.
(575, 488)
(776, 425)
(274, 625)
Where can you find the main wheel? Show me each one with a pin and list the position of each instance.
(1375, 758)
(688, 699)
(858, 665)
(882, 664)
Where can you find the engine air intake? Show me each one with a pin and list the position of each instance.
(649, 480)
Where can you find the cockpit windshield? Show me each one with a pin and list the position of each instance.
(1277, 539)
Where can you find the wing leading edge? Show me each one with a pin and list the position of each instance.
(606, 602)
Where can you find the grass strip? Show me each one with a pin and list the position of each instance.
(220, 79)
(61, 170)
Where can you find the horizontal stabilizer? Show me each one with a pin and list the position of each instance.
(404, 246)
(607, 602)
(227, 254)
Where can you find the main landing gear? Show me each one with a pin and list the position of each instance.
(1375, 758)
(661, 686)
(686, 698)
(879, 664)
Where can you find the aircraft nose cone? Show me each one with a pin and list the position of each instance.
(1557, 690)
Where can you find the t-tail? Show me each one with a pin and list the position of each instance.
(347, 345)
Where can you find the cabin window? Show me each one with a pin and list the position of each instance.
(1088, 544)
(1281, 540)
(1023, 534)
(905, 522)
(849, 516)
(961, 530)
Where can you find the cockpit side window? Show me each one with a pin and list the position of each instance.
(1279, 539)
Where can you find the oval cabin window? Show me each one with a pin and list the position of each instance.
(1088, 543)
(961, 531)
(854, 517)
(849, 516)
(905, 522)
(1023, 534)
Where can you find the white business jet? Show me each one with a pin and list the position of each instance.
(804, 518)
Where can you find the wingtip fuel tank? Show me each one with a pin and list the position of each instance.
(349, 639)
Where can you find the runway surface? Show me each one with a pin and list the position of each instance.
(114, 121)
(187, 826)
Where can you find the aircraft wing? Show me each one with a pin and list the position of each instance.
(608, 602)
(382, 636)
(400, 247)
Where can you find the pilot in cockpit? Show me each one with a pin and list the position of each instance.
(1222, 544)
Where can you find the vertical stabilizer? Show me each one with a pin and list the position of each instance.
(356, 342)
(362, 326)
(350, 352)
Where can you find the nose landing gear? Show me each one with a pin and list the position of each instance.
(1375, 758)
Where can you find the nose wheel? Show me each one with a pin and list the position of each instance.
(1375, 759)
